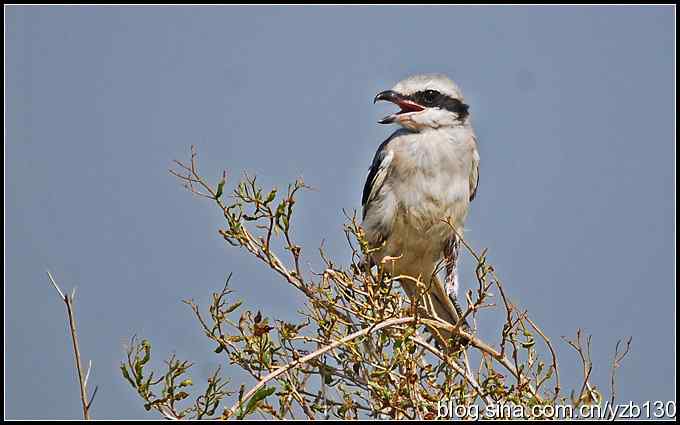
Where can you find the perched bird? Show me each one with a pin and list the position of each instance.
(425, 172)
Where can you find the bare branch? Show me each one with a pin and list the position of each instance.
(616, 363)
(82, 381)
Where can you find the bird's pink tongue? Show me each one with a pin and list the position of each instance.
(408, 106)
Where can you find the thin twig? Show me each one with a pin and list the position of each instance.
(616, 362)
(552, 353)
(314, 354)
(82, 380)
(468, 376)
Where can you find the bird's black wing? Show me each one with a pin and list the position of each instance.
(474, 175)
(376, 175)
(474, 181)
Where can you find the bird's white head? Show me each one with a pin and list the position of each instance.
(426, 101)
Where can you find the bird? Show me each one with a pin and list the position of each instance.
(424, 174)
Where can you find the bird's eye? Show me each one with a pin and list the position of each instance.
(429, 96)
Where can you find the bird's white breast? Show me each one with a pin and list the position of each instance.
(429, 178)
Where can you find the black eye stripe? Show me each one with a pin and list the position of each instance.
(433, 98)
(427, 97)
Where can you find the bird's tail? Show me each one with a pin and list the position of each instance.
(439, 305)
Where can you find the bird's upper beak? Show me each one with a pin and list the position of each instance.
(406, 105)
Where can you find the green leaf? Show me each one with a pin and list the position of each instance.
(126, 374)
(139, 373)
(549, 373)
(147, 351)
(528, 344)
(220, 186)
(259, 395)
(271, 196)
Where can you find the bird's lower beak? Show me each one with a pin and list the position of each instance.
(406, 105)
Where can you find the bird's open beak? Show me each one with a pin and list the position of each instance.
(407, 106)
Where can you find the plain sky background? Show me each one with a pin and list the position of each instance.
(574, 108)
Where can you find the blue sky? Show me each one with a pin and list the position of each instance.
(574, 108)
